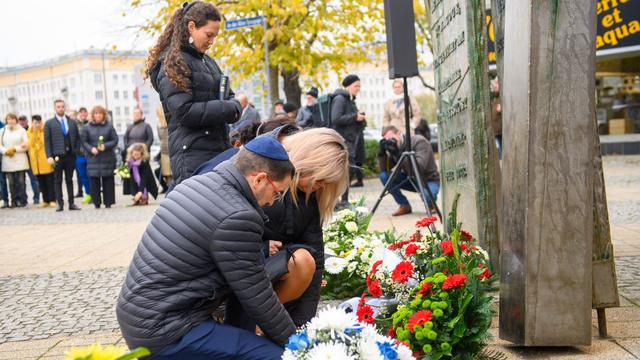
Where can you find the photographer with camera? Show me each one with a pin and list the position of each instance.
(193, 90)
(391, 147)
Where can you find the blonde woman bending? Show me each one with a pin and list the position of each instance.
(321, 159)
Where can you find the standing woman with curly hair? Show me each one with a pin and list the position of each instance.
(188, 81)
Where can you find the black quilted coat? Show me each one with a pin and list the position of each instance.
(203, 243)
(197, 119)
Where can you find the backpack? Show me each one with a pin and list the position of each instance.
(324, 104)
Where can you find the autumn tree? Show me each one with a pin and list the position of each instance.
(307, 39)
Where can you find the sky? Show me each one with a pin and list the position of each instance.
(35, 30)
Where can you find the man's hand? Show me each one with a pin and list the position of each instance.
(101, 147)
(51, 161)
(360, 117)
(10, 151)
(274, 246)
(94, 151)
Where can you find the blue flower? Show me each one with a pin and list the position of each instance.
(387, 350)
(298, 342)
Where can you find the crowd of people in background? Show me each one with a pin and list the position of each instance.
(81, 142)
(86, 143)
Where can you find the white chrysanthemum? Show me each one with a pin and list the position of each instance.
(404, 353)
(333, 319)
(289, 355)
(329, 251)
(330, 351)
(362, 210)
(331, 245)
(368, 349)
(351, 226)
(335, 265)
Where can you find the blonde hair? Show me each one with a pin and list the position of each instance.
(322, 154)
(138, 147)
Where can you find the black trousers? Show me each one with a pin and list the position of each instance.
(46, 187)
(104, 186)
(16, 187)
(66, 163)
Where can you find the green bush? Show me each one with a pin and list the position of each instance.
(371, 158)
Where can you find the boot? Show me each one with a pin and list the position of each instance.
(402, 210)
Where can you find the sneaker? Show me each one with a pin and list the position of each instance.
(86, 199)
(43, 205)
(5, 205)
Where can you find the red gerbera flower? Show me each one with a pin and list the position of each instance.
(454, 281)
(391, 333)
(365, 314)
(426, 286)
(419, 318)
(447, 247)
(411, 249)
(485, 275)
(402, 272)
(466, 236)
(426, 221)
(464, 247)
(374, 288)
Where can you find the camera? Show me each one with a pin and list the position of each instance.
(389, 145)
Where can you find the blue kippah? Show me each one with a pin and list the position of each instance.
(268, 147)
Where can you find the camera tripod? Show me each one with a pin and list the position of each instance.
(408, 155)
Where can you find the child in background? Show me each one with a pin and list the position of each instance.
(142, 182)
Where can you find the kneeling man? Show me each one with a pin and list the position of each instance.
(203, 245)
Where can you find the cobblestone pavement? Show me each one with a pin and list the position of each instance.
(81, 303)
(68, 303)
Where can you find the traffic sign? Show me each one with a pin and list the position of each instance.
(243, 23)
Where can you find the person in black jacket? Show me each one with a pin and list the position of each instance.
(309, 115)
(350, 123)
(62, 143)
(142, 183)
(321, 159)
(188, 82)
(99, 140)
(190, 261)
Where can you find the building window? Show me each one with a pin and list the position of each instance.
(115, 77)
(117, 110)
(126, 111)
(125, 94)
(125, 77)
(99, 95)
(116, 94)
(97, 78)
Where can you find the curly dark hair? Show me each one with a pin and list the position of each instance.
(175, 36)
